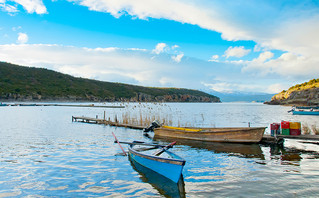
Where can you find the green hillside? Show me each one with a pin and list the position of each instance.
(28, 83)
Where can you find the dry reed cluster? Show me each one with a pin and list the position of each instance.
(142, 114)
(312, 130)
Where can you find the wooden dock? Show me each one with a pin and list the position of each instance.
(104, 121)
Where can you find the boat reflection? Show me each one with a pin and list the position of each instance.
(232, 149)
(163, 185)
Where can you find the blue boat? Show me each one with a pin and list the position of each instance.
(162, 161)
(305, 112)
(163, 185)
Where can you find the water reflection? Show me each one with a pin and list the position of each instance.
(292, 155)
(232, 149)
(163, 185)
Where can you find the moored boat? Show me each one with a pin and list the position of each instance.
(162, 161)
(238, 134)
(163, 185)
(304, 111)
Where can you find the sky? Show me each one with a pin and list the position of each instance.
(246, 46)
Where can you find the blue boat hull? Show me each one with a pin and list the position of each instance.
(170, 168)
(305, 112)
(162, 184)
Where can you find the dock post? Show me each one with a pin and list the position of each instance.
(104, 115)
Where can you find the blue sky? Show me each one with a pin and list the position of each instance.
(211, 45)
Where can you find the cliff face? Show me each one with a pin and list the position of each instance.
(305, 94)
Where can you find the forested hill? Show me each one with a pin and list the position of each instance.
(301, 94)
(37, 84)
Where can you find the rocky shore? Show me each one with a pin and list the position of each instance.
(306, 97)
(140, 97)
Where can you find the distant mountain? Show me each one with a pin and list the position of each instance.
(242, 97)
(37, 84)
(301, 94)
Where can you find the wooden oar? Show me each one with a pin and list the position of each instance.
(119, 144)
(164, 149)
(141, 143)
(140, 149)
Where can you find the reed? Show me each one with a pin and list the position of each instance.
(315, 129)
(306, 130)
(143, 114)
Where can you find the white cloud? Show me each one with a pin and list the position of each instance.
(288, 66)
(276, 88)
(231, 86)
(32, 6)
(202, 13)
(22, 38)
(160, 47)
(174, 47)
(178, 58)
(263, 57)
(222, 87)
(16, 28)
(8, 8)
(214, 58)
(163, 47)
(236, 52)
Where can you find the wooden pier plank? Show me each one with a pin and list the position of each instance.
(106, 122)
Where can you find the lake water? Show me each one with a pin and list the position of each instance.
(44, 154)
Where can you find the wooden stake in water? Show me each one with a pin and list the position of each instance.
(119, 144)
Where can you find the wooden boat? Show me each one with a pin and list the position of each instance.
(163, 162)
(239, 134)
